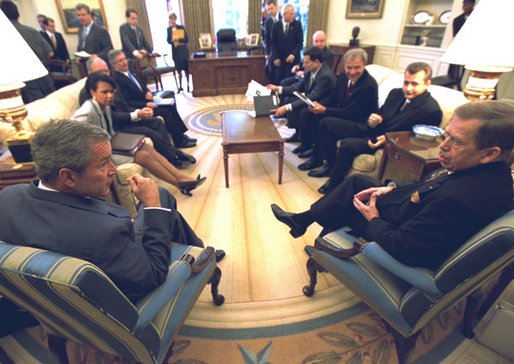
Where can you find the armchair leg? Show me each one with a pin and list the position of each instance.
(403, 344)
(214, 281)
(312, 268)
(57, 346)
(472, 302)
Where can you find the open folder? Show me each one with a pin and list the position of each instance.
(304, 98)
(263, 104)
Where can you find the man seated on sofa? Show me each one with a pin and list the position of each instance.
(354, 98)
(138, 121)
(423, 223)
(317, 85)
(63, 212)
(404, 107)
(137, 95)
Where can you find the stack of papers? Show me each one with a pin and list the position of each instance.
(256, 89)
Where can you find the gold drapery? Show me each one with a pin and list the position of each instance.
(197, 19)
(318, 18)
(254, 16)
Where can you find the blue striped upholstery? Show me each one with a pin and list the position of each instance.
(74, 299)
(405, 307)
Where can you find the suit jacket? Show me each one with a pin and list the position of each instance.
(458, 22)
(423, 109)
(282, 46)
(90, 112)
(319, 89)
(90, 229)
(268, 27)
(423, 231)
(133, 95)
(129, 41)
(60, 50)
(98, 41)
(359, 103)
(35, 41)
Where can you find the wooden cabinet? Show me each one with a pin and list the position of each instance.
(431, 32)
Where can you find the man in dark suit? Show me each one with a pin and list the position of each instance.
(423, 223)
(63, 212)
(403, 108)
(274, 16)
(317, 85)
(133, 40)
(93, 38)
(56, 41)
(286, 44)
(137, 95)
(458, 22)
(354, 98)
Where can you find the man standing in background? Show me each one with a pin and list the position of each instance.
(133, 38)
(56, 40)
(93, 39)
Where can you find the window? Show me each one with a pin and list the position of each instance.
(231, 14)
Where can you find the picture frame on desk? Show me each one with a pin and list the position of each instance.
(205, 41)
(69, 19)
(252, 40)
(365, 9)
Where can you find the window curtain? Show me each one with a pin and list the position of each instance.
(318, 18)
(140, 7)
(197, 19)
(254, 16)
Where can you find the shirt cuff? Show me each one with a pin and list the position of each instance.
(289, 107)
(133, 115)
(157, 208)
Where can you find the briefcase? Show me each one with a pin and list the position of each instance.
(126, 143)
(263, 104)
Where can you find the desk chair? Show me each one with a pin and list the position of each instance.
(60, 71)
(407, 298)
(74, 300)
(226, 40)
(148, 71)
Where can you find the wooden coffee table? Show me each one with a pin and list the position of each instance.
(245, 134)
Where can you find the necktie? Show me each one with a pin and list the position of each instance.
(133, 79)
(84, 35)
(404, 105)
(137, 38)
(53, 40)
(287, 29)
(349, 88)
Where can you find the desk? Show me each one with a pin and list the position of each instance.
(226, 73)
(407, 158)
(244, 134)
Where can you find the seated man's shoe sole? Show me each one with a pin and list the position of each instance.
(335, 251)
(326, 188)
(322, 171)
(286, 218)
(310, 164)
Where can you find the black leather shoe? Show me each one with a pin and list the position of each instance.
(326, 188)
(323, 171)
(178, 163)
(306, 154)
(300, 149)
(187, 187)
(310, 164)
(189, 139)
(336, 251)
(287, 218)
(293, 138)
(185, 144)
(220, 254)
(184, 157)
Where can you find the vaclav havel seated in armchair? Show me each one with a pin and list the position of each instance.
(63, 213)
(418, 227)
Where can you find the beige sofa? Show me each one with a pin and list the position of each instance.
(388, 79)
(61, 104)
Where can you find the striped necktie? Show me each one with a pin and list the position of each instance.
(133, 79)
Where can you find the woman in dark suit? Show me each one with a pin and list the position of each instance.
(179, 49)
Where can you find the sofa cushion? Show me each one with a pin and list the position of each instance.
(448, 100)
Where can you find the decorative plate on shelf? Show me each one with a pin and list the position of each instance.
(444, 17)
(422, 17)
(427, 131)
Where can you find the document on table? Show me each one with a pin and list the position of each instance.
(256, 89)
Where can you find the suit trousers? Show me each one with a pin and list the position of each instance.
(348, 150)
(335, 209)
(173, 122)
(180, 231)
(308, 127)
(332, 129)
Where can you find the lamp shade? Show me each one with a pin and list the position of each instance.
(18, 62)
(485, 39)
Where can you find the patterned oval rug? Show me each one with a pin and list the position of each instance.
(208, 120)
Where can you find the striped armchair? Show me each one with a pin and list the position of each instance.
(74, 300)
(408, 298)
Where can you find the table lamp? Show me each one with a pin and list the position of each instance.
(18, 64)
(482, 46)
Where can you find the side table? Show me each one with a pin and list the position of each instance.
(408, 158)
(12, 173)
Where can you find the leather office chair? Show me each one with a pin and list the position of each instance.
(452, 79)
(226, 40)
(407, 298)
(74, 300)
(60, 71)
(148, 71)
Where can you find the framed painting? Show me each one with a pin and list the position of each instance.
(358, 9)
(69, 18)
